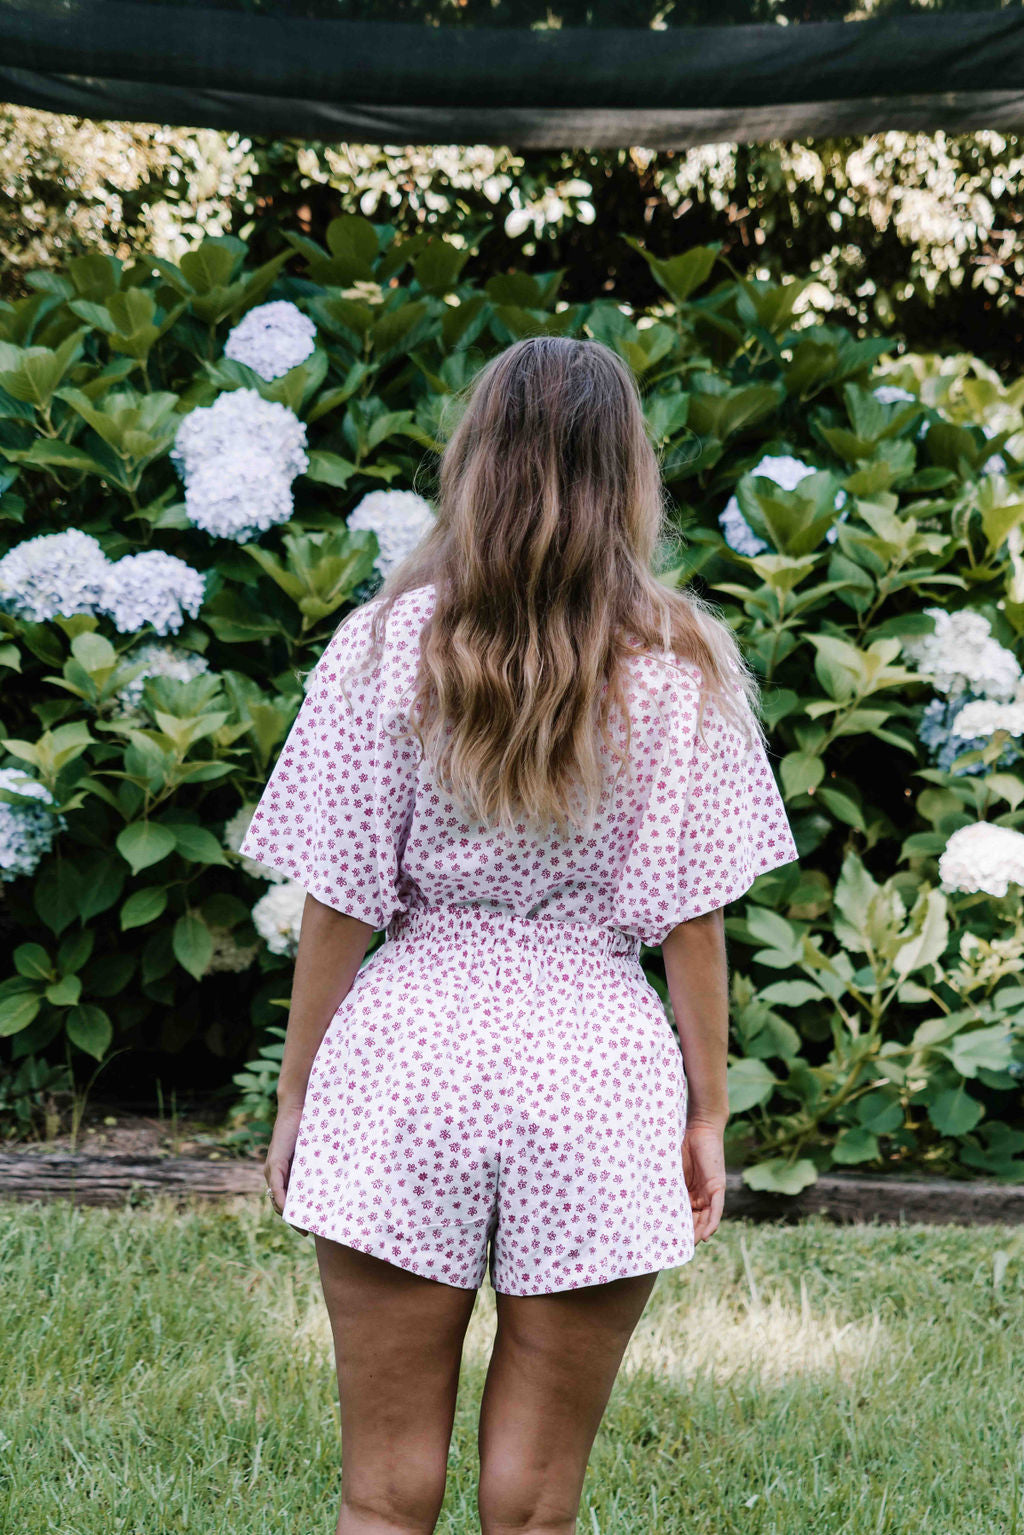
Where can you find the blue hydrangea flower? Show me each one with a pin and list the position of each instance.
(936, 732)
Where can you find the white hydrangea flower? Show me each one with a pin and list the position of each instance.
(238, 458)
(53, 573)
(962, 654)
(983, 858)
(892, 394)
(240, 495)
(787, 472)
(234, 834)
(983, 717)
(738, 533)
(277, 917)
(160, 660)
(151, 588)
(228, 955)
(26, 834)
(272, 338)
(399, 518)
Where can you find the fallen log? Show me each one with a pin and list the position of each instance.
(96, 1180)
(845, 1198)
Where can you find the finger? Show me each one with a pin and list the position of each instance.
(712, 1215)
(279, 1184)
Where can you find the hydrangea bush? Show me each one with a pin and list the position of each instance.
(203, 466)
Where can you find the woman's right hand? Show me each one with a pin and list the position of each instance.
(277, 1168)
(704, 1171)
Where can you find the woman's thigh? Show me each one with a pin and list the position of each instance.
(551, 1373)
(398, 1340)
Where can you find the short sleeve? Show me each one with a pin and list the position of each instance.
(734, 825)
(707, 818)
(336, 808)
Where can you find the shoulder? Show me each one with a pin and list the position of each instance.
(349, 650)
(668, 676)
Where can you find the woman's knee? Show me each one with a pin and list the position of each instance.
(511, 1501)
(406, 1493)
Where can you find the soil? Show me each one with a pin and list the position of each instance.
(112, 1131)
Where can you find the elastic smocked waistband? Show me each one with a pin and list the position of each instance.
(443, 925)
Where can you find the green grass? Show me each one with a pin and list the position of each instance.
(170, 1373)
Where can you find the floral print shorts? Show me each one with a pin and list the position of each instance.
(504, 1086)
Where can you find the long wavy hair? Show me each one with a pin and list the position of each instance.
(550, 514)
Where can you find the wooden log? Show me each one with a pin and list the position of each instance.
(844, 1198)
(96, 1180)
(865, 1197)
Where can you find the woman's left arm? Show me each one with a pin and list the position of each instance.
(331, 949)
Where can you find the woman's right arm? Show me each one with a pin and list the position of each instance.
(697, 972)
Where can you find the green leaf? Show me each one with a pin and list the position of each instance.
(880, 1112)
(801, 771)
(791, 993)
(20, 1001)
(75, 950)
(145, 843)
(193, 944)
(991, 1048)
(854, 892)
(65, 992)
(143, 906)
(32, 961)
(330, 469)
(679, 275)
(90, 1029)
(777, 1176)
(934, 1030)
(750, 1083)
(955, 1112)
(842, 807)
(931, 933)
(57, 894)
(856, 1144)
(198, 845)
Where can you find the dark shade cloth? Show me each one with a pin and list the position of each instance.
(293, 72)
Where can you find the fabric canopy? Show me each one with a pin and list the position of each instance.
(309, 70)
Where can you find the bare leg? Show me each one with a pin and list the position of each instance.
(398, 1343)
(554, 1364)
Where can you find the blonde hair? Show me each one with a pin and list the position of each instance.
(551, 510)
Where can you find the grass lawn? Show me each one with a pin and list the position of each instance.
(170, 1373)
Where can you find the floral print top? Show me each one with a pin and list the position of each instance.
(352, 813)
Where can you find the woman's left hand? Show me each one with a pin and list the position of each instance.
(278, 1165)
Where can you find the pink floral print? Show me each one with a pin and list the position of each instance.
(494, 1079)
(502, 1078)
(352, 814)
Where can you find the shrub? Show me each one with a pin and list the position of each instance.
(238, 449)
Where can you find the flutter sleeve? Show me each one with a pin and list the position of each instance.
(337, 806)
(733, 826)
(711, 821)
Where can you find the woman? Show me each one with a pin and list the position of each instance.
(524, 758)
